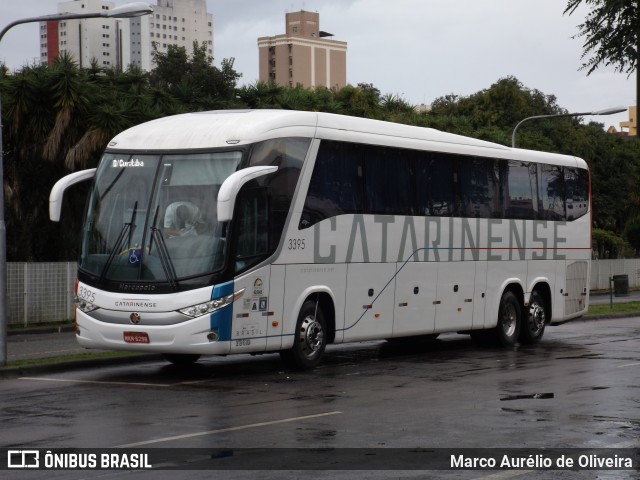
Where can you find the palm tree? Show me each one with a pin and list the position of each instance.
(71, 97)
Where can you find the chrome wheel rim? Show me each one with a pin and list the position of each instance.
(537, 317)
(311, 336)
(509, 320)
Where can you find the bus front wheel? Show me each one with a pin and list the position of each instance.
(310, 338)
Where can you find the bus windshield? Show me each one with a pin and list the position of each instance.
(152, 218)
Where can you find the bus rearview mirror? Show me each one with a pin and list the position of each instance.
(232, 185)
(57, 192)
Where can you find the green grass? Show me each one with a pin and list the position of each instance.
(19, 326)
(69, 358)
(629, 307)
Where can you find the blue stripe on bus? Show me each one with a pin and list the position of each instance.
(221, 319)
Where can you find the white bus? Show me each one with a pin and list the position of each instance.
(283, 231)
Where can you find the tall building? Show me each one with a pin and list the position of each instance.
(303, 55)
(118, 43)
(173, 22)
(632, 124)
(99, 38)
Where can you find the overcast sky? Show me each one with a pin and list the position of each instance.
(418, 49)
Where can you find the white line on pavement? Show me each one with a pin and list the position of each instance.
(228, 429)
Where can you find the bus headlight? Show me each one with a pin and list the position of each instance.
(211, 306)
(83, 305)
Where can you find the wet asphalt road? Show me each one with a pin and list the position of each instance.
(578, 388)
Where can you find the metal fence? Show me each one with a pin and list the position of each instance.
(43, 292)
(602, 270)
(39, 293)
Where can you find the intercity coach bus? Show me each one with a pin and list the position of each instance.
(283, 231)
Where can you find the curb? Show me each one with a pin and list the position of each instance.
(64, 366)
(66, 327)
(609, 316)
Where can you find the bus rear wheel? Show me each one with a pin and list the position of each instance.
(181, 359)
(509, 320)
(310, 338)
(533, 325)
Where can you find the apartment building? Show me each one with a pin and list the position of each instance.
(173, 22)
(118, 43)
(87, 39)
(631, 126)
(303, 55)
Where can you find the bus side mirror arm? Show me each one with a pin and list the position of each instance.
(232, 185)
(57, 192)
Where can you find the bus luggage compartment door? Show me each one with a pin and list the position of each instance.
(369, 301)
(415, 306)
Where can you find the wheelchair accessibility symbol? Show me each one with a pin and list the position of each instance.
(134, 256)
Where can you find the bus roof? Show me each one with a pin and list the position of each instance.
(224, 128)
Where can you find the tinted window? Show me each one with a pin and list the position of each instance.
(252, 214)
(352, 178)
(288, 155)
(434, 174)
(577, 187)
(335, 186)
(478, 186)
(264, 203)
(387, 181)
(551, 193)
(521, 185)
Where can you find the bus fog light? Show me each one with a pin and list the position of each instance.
(213, 336)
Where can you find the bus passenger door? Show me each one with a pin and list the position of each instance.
(455, 296)
(415, 307)
(369, 301)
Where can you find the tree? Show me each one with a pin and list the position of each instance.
(611, 33)
(194, 80)
(492, 113)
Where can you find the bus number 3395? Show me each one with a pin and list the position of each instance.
(296, 244)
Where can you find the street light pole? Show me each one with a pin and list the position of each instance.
(135, 9)
(606, 111)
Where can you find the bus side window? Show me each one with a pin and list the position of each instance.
(479, 190)
(434, 186)
(551, 193)
(387, 183)
(335, 186)
(521, 185)
(252, 215)
(288, 155)
(577, 188)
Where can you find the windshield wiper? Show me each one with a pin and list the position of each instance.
(127, 227)
(163, 253)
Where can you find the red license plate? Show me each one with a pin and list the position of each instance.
(136, 337)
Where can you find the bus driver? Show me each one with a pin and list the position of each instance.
(181, 219)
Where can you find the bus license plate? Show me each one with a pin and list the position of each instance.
(136, 337)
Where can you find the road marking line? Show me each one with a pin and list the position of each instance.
(629, 365)
(193, 382)
(229, 429)
(96, 382)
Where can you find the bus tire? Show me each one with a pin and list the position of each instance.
(181, 359)
(310, 338)
(507, 330)
(534, 322)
